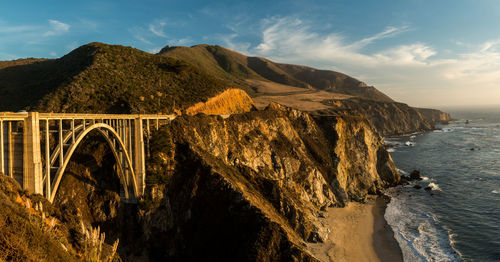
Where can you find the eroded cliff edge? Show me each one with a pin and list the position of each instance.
(388, 118)
(251, 187)
(247, 188)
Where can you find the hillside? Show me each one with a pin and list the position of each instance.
(239, 68)
(308, 89)
(104, 78)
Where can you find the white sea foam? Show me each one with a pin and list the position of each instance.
(409, 143)
(444, 130)
(434, 186)
(495, 192)
(424, 178)
(417, 231)
(401, 171)
(391, 150)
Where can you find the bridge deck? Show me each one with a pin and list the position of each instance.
(11, 116)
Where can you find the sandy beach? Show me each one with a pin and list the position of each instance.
(359, 233)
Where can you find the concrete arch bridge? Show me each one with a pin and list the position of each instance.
(26, 153)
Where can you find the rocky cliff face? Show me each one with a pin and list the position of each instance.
(389, 118)
(247, 188)
(434, 116)
(252, 186)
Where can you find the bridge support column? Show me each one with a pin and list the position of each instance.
(139, 157)
(32, 160)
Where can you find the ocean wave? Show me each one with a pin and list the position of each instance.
(495, 192)
(418, 231)
(391, 150)
(444, 130)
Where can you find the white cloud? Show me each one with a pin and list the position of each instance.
(409, 73)
(157, 28)
(56, 28)
(406, 54)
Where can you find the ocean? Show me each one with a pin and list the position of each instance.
(459, 218)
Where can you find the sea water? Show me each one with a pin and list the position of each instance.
(458, 219)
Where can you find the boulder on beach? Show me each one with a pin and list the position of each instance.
(417, 186)
(415, 175)
(404, 180)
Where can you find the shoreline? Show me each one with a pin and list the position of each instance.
(359, 232)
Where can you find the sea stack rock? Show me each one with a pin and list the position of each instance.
(415, 175)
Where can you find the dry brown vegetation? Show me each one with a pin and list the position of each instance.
(231, 101)
(28, 230)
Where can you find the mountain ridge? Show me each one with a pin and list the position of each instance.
(230, 65)
(102, 78)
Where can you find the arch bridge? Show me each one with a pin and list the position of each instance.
(35, 148)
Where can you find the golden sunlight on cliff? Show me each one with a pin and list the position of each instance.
(231, 101)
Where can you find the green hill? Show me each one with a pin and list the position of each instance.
(105, 78)
(238, 68)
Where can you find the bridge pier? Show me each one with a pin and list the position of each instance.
(139, 157)
(32, 160)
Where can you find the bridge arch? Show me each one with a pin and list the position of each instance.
(109, 133)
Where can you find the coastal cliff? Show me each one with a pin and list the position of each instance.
(252, 187)
(388, 118)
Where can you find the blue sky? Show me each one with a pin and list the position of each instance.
(421, 52)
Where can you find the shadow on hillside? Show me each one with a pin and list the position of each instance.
(24, 83)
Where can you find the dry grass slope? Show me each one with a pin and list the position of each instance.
(231, 101)
(27, 229)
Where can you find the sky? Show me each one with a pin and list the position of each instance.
(421, 52)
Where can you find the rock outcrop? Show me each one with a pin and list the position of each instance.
(251, 187)
(434, 116)
(389, 118)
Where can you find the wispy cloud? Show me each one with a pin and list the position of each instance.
(4, 29)
(408, 72)
(153, 35)
(140, 34)
(56, 28)
(389, 32)
(157, 28)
